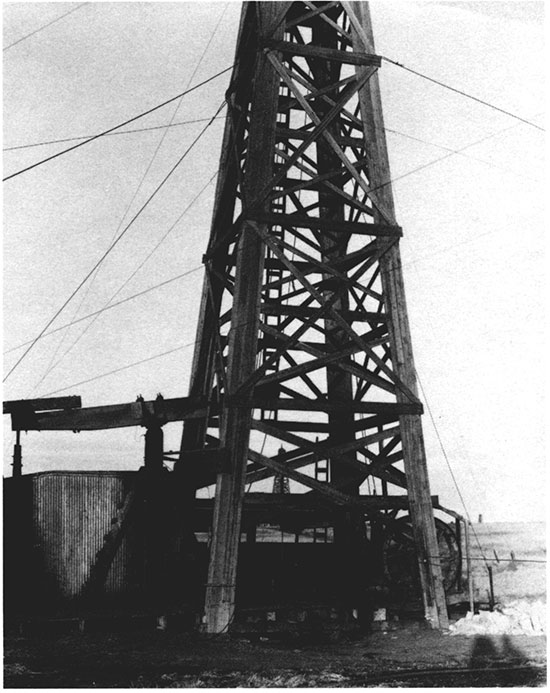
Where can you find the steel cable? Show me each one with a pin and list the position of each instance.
(112, 246)
(120, 125)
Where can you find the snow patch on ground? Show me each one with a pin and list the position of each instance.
(519, 617)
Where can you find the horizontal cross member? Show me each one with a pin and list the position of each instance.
(294, 134)
(138, 413)
(309, 51)
(325, 489)
(44, 404)
(307, 312)
(299, 404)
(305, 222)
(259, 502)
(296, 511)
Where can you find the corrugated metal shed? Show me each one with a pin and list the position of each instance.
(72, 512)
(54, 526)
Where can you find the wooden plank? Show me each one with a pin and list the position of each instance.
(228, 178)
(304, 222)
(418, 487)
(295, 459)
(329, 447)
(298, 502)
(113, 416)
(372, 338)
(320, 125)
(324, 489)
(266, 19)
(335, 359)
(334, 268)
(43, 404)
(308, 16)
(326, 18)
(293, 134)
(332, 313)
(294, 339)
(309, 51)
(302, 426)
(308, 313)
(297, 404)
(301, 510)
(323, 126)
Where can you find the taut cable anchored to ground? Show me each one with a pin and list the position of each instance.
(120, 125)
(463, 93)
(109, 306)
(118, 370)
(115, 242)
(44, 26)
(53, 362)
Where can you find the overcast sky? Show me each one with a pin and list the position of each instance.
(473, 221)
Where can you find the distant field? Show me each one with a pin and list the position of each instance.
(522, 578)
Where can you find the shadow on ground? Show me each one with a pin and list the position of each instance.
(407, 657)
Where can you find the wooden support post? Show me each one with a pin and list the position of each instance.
(153, 515)
(17, 465)
(491, 589)
(154, 447)
(243, 336)
(418, 487)
(469, 564)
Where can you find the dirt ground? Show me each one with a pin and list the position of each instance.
(410, 656)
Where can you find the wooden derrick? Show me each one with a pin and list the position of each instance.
(303, 336)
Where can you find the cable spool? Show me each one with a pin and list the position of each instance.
(400, 560)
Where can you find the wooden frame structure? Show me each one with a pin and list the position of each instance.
(303, 338)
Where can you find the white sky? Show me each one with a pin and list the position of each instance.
(473, 222)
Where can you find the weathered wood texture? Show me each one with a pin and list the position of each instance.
(243, 336)
(109, 416)
(354, 58)
(44, 404)
(332, 225)
(402, 357)
(303, 252)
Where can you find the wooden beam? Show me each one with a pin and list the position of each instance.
(44, 404)
(309, 51)
(414, 454)
(288, 503)
(289, 134)
(363, 77)
(324, 489)
(265, 19)
(308, 313)
(326, 448)
(332, 313)
(391, 408)
(340, 360)
(372, 338)
(294, 459)
(111, 416)
(318, 224)
(308, 16)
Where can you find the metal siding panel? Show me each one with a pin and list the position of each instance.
(118, 577)
(72, 512)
